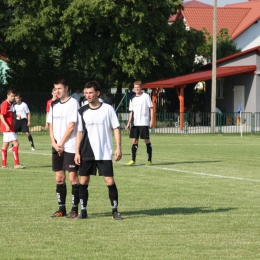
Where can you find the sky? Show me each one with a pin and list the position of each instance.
(222, 3)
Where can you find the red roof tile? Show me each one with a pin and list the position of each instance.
(199, 76)
(199, 18)
(235, 17)
(195, 3)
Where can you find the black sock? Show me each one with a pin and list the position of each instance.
(31, 140)
(113, 196)
(75, 197)
(61, 190)
(83, 196)
(134, 151)
(149, 151)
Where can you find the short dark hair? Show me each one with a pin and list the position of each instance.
(93, 84)
(61, 80)
(11, 91)
(18, 95)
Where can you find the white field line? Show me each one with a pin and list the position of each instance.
(170, 169)
(197, 173)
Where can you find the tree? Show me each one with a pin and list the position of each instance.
(114, 41)
(225, 46)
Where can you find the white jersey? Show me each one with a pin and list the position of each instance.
(22, 110)
(140, 106)
(85, 101)
(60, 115)
(97, 125)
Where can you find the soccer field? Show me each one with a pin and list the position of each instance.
(199, 200)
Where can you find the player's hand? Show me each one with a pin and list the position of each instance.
(127, 128)
(77, 158)
(118, 155)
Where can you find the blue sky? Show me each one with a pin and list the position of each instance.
(222, 3)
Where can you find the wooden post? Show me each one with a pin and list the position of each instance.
(155, 93)
(180, 93)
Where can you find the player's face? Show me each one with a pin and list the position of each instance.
(91, 95)
(18, 100)
(61, 91)
(54, 95)
(10, 97)
(137, 89)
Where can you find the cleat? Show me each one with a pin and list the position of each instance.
(33, 149)
(117, 216)
(149, 163)
(5, 166)
(82, 215)
(72, 214)
(10, 149)
(19, 166)
(131, 163)
(58, 214)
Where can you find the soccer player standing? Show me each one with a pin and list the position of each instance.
(7, 127)
(141, 117)
(63, 129)
(94, 146)
(23, 118)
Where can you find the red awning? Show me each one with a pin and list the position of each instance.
(199, 76)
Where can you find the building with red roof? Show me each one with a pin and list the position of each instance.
(242, 20)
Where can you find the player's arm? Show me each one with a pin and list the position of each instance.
(79, 138)
(129, 120)
(4, 122)
(118, 151)
(151, 117)
(29, 119)
(66, 135)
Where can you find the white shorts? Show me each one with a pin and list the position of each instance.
(9, 137)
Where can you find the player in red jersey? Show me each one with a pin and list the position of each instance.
(7, 127)
(48, 105)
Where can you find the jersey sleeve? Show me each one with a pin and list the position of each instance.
(130, 105)
(80, 124)
(114, 118)
(49, 119)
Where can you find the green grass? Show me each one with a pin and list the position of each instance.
(199, 200)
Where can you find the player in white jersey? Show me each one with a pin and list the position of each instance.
(94, 148)
(23, 118)
(140, 118)
(62, 119)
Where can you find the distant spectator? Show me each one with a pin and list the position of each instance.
(77, 95)
(218, 111)
(108, 97)
(48, 104)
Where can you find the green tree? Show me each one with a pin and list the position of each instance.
(114, 41)
(225, 46)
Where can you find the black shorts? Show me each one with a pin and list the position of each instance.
(139, 131)
(104, 167)
(21, 125)
(65, 162)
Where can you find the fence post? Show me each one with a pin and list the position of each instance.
(252, 123)
(186, 122)
(219, 118)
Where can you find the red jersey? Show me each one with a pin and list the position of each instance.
(48, 105)
(7, 110)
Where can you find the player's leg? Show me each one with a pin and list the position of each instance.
(61, 188)
(4, 152)
(144, 134)
(86, 169)
(17, 164)
(134, 134)
(72, 168)
(25, 128)
(105, 169)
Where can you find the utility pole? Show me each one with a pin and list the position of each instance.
(214, 78)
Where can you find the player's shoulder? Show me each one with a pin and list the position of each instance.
(83, 109)
(55, 102)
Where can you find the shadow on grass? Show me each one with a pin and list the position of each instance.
(172, 211)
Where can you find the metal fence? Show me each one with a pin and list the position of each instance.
(169, 123)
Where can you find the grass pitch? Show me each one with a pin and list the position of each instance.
(199, 200)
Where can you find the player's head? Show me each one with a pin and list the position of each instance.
(10, 95)
(61, 87)
(54, 94)
(18, 98)
(137, 87)
(92, 91)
